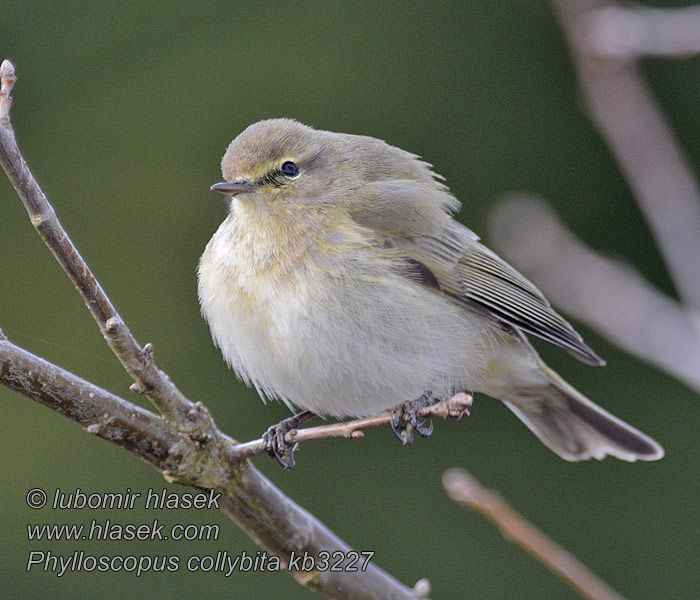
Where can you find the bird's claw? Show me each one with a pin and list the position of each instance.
(275, 443)
(278, 447)
(406, 422)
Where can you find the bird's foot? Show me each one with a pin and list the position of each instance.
(275, 443)
(406, 420)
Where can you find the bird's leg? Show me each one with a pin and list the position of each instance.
(275, 444)
(405, 421)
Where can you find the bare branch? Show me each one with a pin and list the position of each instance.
(656, 169)
(7, 82)
(94, 409)
(450, 409)
(635, 31)
(289, 528)
(462, 487)
(269, 517)
(151, 380)
(610, 296)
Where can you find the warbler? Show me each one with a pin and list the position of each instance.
(340, 283)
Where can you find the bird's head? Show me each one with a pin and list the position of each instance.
(281, 161)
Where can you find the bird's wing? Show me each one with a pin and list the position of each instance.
(443, 254)
(481, 280)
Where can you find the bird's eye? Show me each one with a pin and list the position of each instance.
(290, 169)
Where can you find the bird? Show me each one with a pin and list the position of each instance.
(340, 283)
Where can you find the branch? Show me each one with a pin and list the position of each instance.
(137, 361)
(7, 82)
(450, 409)
(465, 489)
(185, 445)
(269, 517)
(631, 123)
(611, 297)
(636, 31)
(97, 411)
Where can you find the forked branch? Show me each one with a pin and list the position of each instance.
(605, 39)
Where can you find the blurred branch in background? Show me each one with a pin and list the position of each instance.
(465, 489)
(613, 298)
(608, 295)
(634, 31)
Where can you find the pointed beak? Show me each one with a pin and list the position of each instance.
(233, 188)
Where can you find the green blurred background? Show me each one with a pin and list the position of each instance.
(123, 111)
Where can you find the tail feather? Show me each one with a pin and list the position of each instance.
(573, 426)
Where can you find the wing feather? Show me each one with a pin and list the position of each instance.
(412, 220)
(481, 277)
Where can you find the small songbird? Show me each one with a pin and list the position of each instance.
(340, 283)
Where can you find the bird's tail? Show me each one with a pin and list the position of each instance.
(565, 420)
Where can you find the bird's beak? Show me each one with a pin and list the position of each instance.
(233, 188)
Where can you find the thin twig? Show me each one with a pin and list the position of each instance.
(139, 364)
(453, 408)
(656, 169)
(7, 82)
(462, 487)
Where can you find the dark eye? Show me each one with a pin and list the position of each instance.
(290, 169)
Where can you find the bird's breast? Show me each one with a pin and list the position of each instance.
(326, 321)
(254, 283)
